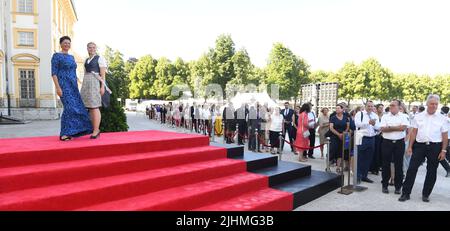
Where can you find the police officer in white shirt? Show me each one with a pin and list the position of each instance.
(393, 128)
(429, 139)
(367, 120)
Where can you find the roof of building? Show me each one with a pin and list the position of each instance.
(74, 9)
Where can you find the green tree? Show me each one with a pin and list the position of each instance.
(440, 86)
(164, 78)
(287, 71)
(142, 78)
(116, 69)
(181, 74)
(113, 117)
(322, 77)
(243, 69)
(376, 79)
(350, 81)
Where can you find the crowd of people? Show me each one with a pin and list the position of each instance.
(389, 139)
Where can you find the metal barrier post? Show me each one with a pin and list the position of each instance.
(345, 190)
(237, 132)
(213, 130)
(356, 186)
(257, 144)
(328, 168)
(280, 150)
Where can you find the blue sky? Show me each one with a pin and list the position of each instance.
(406, 36)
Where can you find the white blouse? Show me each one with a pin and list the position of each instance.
(101, 61)
(276, 123)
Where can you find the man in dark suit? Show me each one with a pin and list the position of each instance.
(163, 114)
(230, 123)
(240, 115)
(287, 114)
(193, 119)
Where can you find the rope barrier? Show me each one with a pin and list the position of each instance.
(303, 148)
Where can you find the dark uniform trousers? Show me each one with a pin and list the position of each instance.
(288, 129)
(421, 150)
(393, 150)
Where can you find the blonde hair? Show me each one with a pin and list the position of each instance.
(92, 43)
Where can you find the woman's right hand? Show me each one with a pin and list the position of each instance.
(341, 136)
(409, 151)
(59, 92)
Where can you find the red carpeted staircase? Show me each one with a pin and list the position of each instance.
(129, 172)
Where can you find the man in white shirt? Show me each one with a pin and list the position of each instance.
(444, 163)
(393, 126)
(312, 123)
(429, 139)
(367, 120)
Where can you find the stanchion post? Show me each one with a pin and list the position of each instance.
(257, 147)
(237, 132)
(356, 186)
(280, 150)
(345, 190)
(224, 131)
(213, 130)
(328, 168)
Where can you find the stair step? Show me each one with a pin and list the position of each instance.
(40, 175)
(309, 188)
(232, 150)
(261, 200)
(257, 161)
(187, 197)
(284, 171)
(85, 193)
(42, 150)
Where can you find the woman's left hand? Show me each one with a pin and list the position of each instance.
(102, 90)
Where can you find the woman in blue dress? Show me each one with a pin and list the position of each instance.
(75, 120)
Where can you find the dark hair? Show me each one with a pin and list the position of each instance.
(379, 105)
(445, 110)
(421, 109)
(305, 108)
(341, 106)
(61, 40)
(388, 109)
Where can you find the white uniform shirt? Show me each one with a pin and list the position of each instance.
(312, 120)
(430, 127)
(390, 120)
(364, 124)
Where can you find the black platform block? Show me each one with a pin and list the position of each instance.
(257, 161)
(307, 189)
(232, 150)
(284, 171)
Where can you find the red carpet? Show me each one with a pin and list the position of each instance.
(134, 171)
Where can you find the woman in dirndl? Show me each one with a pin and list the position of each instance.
(93, 86)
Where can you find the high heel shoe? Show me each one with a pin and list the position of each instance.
(65, 138)
(96, 136)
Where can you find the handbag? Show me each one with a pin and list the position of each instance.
(329, 133)
(106, 98)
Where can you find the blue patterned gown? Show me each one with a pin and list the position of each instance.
(75, 119)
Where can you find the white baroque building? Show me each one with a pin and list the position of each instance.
(29, 35)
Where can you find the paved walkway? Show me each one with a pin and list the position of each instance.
(370, 200)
